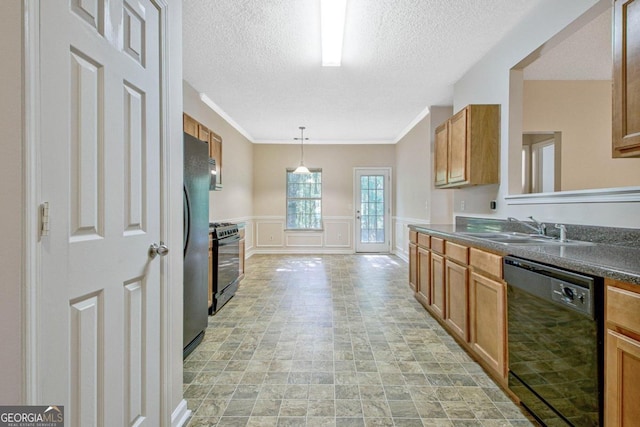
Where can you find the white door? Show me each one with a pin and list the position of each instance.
(543, 166)
(98, 314)
(373, 210)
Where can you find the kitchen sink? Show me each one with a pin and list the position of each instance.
(513, 238)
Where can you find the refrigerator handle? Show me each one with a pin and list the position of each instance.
(186, 219)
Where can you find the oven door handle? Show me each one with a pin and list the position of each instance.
(229, 240)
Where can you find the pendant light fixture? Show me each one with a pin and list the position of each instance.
(302, 168)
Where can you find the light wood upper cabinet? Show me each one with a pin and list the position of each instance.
(442, 137)
(458, 152)
(190, 125)
(472, 148)
(626, 78)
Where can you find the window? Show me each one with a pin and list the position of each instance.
(304, 200)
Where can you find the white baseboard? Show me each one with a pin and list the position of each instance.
(298, 251)
(180, 415)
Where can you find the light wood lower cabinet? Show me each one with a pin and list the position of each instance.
(487, 321)
(462, 287)
(413, 266)
(622, 375)
(437, 298)
(457, 298)
(423, 289)
(622, 354)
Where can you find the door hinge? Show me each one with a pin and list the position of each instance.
(44, 219)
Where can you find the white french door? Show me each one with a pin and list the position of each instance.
(373, 209)
(98, 315)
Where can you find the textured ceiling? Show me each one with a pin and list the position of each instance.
(260, 62)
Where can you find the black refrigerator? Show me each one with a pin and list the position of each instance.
(196, 241)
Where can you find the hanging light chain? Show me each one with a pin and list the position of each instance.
(301, 139)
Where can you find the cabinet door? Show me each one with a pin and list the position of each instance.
(487, 321)
(441, 154)
(424, 276)
(190, 125)
(437, 285)
(458, 155)
(622, 380)
(203, 133)
(626, 79)
(413, 266)
(457, 297)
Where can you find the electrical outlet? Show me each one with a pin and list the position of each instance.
(493, 205)
(462, 205)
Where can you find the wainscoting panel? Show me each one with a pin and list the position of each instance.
(305, 239)
(337, 233)
(269, 233)
(401, 231)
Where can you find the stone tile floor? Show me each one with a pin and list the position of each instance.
(335, 340)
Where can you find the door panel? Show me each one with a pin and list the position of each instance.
(372, 210)
(99, 302)
(457, 160)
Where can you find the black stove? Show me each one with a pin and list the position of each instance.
(225, 262)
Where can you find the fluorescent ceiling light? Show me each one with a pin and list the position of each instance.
(332, 25)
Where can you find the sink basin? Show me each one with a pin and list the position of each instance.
(513, 238)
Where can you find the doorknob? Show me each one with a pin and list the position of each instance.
(357, 214)
(155, 250)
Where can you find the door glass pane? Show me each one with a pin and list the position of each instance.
(372, 209)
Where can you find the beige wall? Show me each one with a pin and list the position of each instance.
(11, 213)
(581, 110)
(337, 163)
(235, 200)
(413, 173)
(417, 200)
(488, 82)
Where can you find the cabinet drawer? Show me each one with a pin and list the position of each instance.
(623, 308)
(457, 252)
(437, 244)
(413, 236)
(486, 261)
(423, 240)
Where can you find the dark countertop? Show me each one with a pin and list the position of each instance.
(606, 260)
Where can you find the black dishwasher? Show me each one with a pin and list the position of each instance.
(555, 342)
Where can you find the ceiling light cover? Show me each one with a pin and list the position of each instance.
(332, 25)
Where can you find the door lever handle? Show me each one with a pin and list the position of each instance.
(155, 250)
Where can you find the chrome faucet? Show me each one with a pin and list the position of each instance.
(563, 232)
(540, 227)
